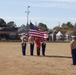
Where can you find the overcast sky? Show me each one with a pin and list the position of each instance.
(49, 12)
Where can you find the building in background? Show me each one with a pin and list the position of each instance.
(8, 33)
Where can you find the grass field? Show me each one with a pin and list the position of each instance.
(56, 62)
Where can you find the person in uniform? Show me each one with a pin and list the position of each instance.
(23, 44)
(37, 41)
(31, 41)
(73, 49)
(43, 44)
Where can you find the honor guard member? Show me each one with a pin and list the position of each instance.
(73, 49)
(43, 44)
(37, 40)
(31, 41)
(23, 44)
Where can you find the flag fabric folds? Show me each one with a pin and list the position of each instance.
(36, 32)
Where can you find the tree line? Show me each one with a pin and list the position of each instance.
(12, 24)
(42, 26)
(66, 26)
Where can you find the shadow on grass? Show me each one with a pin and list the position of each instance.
(50, 56)
(55, 56)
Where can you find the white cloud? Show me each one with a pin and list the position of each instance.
(44, 3)
(55, 3)
(57, 0)
(65, 0)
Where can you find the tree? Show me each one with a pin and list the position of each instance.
(64, 26)
(11, 24)
(67, 25)
(56, 28)
(43, 26)
(2, 23)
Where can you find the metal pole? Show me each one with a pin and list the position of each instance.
(27, 19)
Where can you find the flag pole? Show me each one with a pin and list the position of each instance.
(27, 19)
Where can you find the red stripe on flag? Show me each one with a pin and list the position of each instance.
(36, 33)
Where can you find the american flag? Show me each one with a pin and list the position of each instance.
(36, 32)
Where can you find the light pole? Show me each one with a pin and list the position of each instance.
(27, 19)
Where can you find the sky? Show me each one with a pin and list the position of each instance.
(50, 12)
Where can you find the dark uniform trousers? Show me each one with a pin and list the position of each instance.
(31, 48)
(74, 56)
(38, 51)
(43, 48)
(24, 48)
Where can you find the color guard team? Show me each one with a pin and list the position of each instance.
(40, 42)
